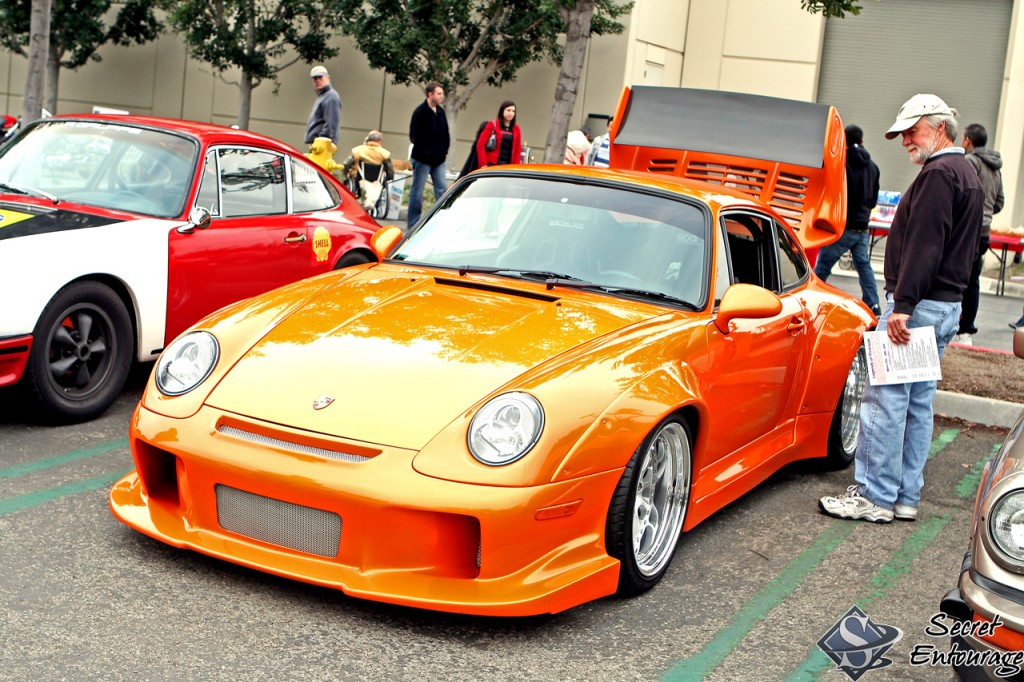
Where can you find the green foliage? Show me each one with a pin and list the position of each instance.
(832, 8)
(463, 43)
(77, 29)
(254, 36)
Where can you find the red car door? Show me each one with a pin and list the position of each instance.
(253, 244)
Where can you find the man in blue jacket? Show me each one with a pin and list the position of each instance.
(325, 118)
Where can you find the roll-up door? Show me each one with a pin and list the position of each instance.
(873, 62)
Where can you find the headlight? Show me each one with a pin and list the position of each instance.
(1006, 525)
(186, 363)
(506, 428)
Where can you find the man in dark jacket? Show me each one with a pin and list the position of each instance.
(428, 131)
(325, 118)
(928, 258)
(988, 164)
(861, 196)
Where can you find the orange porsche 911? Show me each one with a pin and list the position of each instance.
(538, 389)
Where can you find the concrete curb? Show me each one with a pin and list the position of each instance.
(985, 411)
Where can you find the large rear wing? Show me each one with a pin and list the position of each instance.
(789, 154)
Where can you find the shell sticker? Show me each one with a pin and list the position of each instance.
(321, 243)
(11, 217)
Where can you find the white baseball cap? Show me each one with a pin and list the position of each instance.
(913, 109)
(317, 71)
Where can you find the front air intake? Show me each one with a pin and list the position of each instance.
(304, 529)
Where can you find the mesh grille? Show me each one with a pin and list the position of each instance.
(288, 445)
(304, 529)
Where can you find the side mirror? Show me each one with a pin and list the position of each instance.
(384, 241)
(1018, 342)
(746, 301)
(198, 219)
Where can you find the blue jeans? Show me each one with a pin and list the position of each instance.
(857, 243)
(420, 171)
(896, 420)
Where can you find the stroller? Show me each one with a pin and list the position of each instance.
(370, 186)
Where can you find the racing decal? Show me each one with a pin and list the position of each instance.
(18, 224)
(321, 243)
(8, 218)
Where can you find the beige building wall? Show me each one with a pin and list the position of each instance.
(768, 47)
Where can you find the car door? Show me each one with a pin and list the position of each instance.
(254, 242)
(756, 369)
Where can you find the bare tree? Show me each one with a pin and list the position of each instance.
(577, 17)
(38, 53)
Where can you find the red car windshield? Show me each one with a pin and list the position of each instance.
(138, 170)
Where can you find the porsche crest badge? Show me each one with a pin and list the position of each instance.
(322, 402)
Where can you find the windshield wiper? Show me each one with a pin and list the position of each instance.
(646, 293)
(551, 279)
(28, 191)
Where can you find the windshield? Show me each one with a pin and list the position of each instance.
(617, 240)
(102, 164)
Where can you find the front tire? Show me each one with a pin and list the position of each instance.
(845, 430)
(81, 353)
(649, 506)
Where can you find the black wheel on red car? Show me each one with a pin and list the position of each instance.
(845, 430)
(352, 258)
(81, 352)
(649, 506)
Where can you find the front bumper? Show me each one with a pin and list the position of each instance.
(977, 600)
(405, 538)
(14, 352)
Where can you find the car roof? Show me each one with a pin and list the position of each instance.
(207, 133)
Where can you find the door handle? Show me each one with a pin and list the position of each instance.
(796, 325)
(295, 239)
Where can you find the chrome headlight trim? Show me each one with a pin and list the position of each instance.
(186, 363)
(505, 428)
(1006, 528)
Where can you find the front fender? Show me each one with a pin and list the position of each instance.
(841, 335)
(617, 432)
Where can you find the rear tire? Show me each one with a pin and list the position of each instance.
(845, 430)
(646, 515)
(81, 353)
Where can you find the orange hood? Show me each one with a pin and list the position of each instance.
(404, 352)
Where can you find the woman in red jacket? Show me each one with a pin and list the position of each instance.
(508, 144)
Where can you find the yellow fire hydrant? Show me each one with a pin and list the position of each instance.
(321, 152)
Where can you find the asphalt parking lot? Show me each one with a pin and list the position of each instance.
(749, 593)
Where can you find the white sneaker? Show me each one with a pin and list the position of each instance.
(904, 512)
(963, 339)
(854, 506)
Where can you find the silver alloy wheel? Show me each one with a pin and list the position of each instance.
(853, 395)
(662, 495)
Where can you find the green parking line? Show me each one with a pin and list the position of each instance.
(697, 667)
(701, 664)
(73, 456)
(887, 576)
(13, 504)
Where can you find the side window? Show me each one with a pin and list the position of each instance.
(252, 183)
(209, 191)
(793, 266)
(751, 247)
(310, 192)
